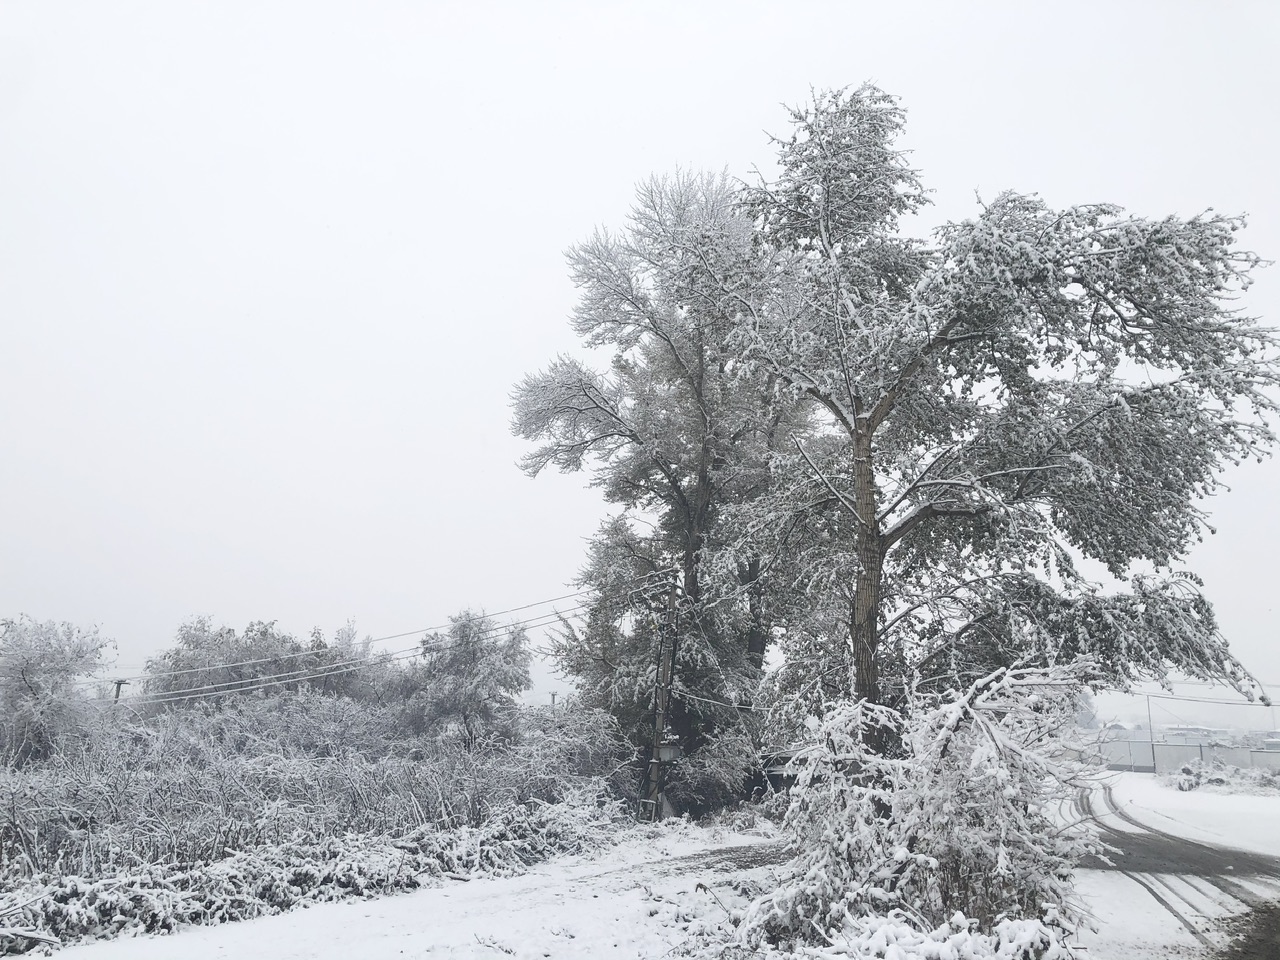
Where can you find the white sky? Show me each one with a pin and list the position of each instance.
(268, 271)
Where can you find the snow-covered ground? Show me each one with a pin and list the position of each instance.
(648, 895)
(635, 900)
(1209, 814)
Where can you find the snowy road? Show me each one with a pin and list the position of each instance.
(1166, 894)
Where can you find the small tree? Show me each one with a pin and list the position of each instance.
(469, 678)
(40, 664)
(962, 818)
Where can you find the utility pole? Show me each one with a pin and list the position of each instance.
(1151, 735)
(666, 661)
(119, 684)
(553, 699)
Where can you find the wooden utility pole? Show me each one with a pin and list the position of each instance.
(666, 662)
(1151, 735)
(119, 684)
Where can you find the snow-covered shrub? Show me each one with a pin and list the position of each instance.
(896, 938)
(291, 723)
(952, 808)
(1226, 778)
(1187, 779)
(559, 749)
(715, 775)
(94, 812)
(277, 877)
(41, 664)
(195, 785)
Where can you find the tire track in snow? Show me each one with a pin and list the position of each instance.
(1177, 914)
(1150, 856)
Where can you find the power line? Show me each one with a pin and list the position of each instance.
(1175, 716)
(657, 575)
(1215, 683)
(265, 682)
(1231, 703)
(1239, 702)
(685, 695)
(275, 680)
(326, 670)
(308, 653)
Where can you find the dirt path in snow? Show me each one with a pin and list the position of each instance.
(1149, 857)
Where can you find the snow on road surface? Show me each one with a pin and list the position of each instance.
(1209, 814)
(646, 896)
(1170, 898)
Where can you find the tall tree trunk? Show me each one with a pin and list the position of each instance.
(864, 631)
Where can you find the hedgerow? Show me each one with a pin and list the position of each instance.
(251, 807)
(279, 876)
(196, 785)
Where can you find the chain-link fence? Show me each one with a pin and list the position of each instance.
(1163, 730)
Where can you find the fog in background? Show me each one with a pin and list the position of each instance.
(268, 271)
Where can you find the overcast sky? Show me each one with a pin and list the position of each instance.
(268, 271)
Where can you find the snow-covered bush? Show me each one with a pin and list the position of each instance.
(194, 785)
(952, 808)
(276, 877)
(895, 938)
(715, 775)
(560, 746)
(41, 664)
(1226, 778)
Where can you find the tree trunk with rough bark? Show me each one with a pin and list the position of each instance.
(864, 633)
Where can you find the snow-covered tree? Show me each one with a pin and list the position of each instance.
(210, 662)
(40, 665)
(469, 678)
(958, 420)
(672, 433)
(1024, 388)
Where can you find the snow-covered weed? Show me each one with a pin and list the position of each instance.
(211, 814)
(280, 876)
(198, 785)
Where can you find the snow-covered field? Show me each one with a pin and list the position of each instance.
(649, 895)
